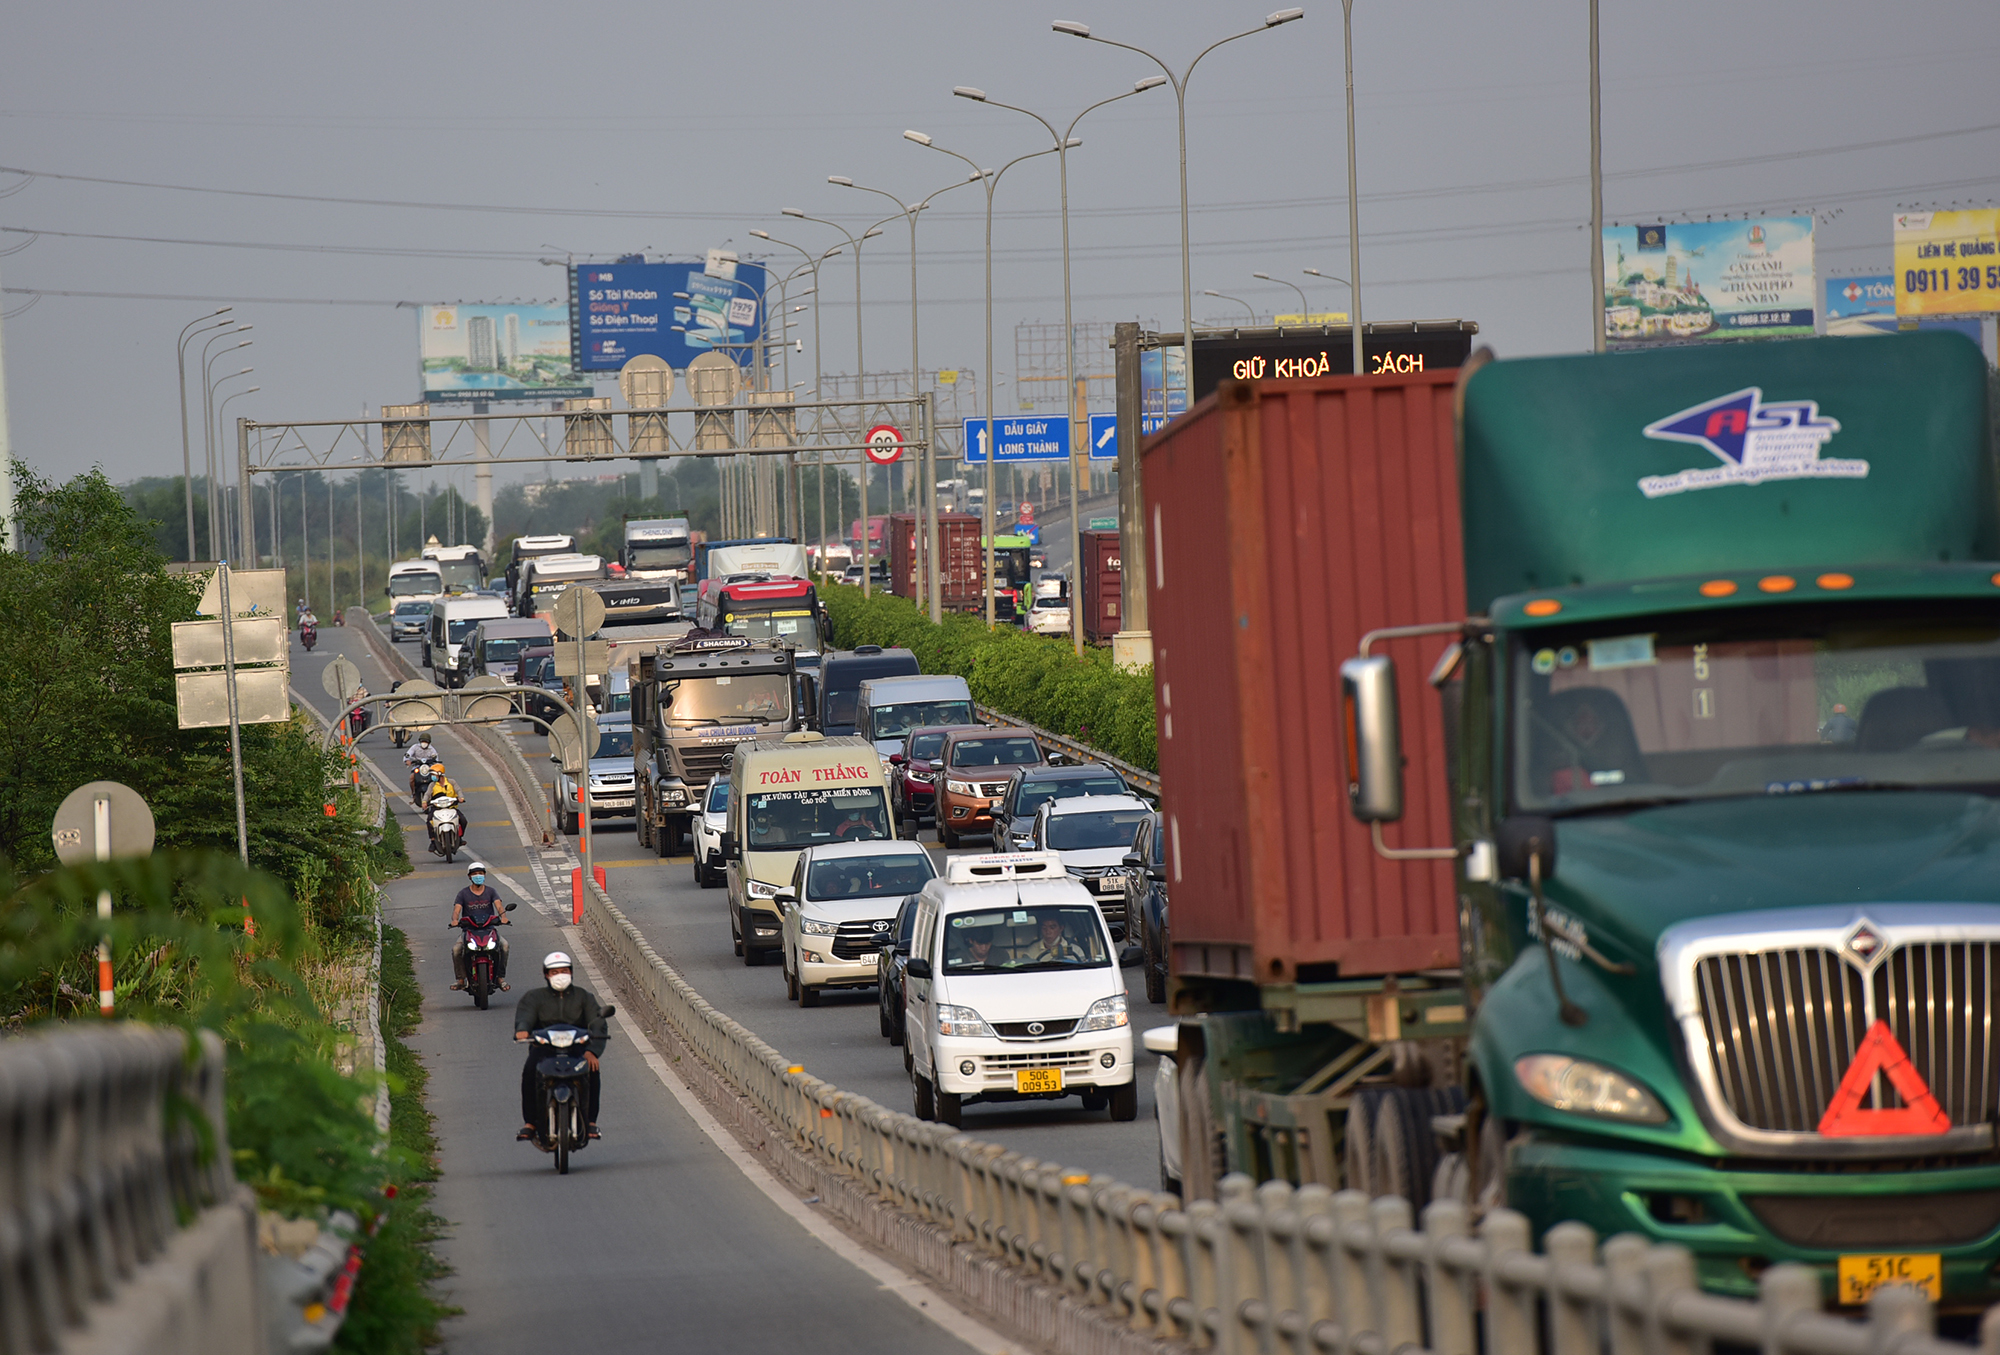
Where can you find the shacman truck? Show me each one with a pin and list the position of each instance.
(1664, 691)
(693, 701)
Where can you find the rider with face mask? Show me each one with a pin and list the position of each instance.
(480, 906)
(560, 1003)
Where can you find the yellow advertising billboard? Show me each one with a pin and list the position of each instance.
(1948, 263)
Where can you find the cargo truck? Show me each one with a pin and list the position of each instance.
(657, 549)
(1664, 689)
(692, 702)
(961, 557)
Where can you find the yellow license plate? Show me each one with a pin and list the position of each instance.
(1861, 1276)
(1038, 1080)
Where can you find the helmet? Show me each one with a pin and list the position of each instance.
(476, 868)
(556, 959)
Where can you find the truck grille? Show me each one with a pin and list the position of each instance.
(701, 765)
(1784, 1024)
(992, 790)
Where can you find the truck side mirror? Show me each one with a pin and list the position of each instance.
(730, 851)
(918, 967)
(1374, 738)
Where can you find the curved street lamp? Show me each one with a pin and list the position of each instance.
(1063, 141)
(247, 527)
(1305, 307)
(180, 363)
(925, 539)
(208, 418)
(814, 260)
(1210, 291)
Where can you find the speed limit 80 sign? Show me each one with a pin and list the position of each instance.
(885, 444)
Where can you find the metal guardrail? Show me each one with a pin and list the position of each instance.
(1139, 777)
(116, 1189)
(1272, 1268)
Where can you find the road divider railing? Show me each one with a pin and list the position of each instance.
(1136, 777)
(1265, 1268)
(122, 1226)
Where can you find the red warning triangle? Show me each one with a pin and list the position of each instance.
(1880, 1052)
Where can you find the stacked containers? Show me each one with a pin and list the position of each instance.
(1103, 585)
(1288, 520)
(960, 553)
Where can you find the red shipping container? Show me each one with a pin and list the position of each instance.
(1103, 586)
(962, 557)
(1289, 519)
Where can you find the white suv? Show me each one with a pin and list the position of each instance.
(1092, 834)
(1014, 991)
(708, 826)
(840, 911)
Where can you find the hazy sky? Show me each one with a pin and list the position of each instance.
(673, 128)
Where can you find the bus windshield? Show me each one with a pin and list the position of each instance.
(788, 820)
(416, 583)
(460, 574)
(799, 629)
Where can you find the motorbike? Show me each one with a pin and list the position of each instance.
(398, 734)
(421, 777)
(308, 636)
(565, 1083)
(482, 958)
(357, 719)
(447, 830)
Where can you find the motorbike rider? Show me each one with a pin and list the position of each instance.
(558, 1002)
(480, 906)
(420, 755)
(440, 785)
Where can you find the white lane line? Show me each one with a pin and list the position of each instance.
(905, 1286)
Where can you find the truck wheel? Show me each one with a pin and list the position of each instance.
(946, 838)
(644, 823)
(921, 1103)
(1358, 1141)
(1406, 1150)
(1125, 1101)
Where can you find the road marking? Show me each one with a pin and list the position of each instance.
(914, 1292)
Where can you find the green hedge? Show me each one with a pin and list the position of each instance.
(1030, 677)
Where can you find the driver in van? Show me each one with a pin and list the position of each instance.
(1055, 943)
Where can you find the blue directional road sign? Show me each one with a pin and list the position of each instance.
(1019, 439)
(1104, 437)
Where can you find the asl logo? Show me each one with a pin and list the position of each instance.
(1755, 441)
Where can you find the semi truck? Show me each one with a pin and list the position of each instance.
(657, 549)
(692, 702)
(526, 548)
(1664, 691)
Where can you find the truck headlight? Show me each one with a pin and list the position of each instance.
(962, 1021)
(674, 796)
(1585, 1088)
(812, 926)
(759, 890)
(1107, 1013)
(960, 787)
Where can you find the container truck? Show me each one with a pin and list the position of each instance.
(960, 555)
(657, 549)
(1664, 689)
(1102, 580)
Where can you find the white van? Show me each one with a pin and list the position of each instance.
(1013, 991)
(452, 623)
(839, 909)
(787, 794)
(891, 707)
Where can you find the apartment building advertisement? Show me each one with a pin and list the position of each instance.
(495, 352)
(1682, 282)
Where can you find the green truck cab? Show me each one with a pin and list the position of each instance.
(1723, 734)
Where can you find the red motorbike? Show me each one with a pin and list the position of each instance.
(308, 636)
(482, 958)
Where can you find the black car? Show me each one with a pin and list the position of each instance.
(1032, 787)
(1146, 900)
(536, 678)
(889, 963)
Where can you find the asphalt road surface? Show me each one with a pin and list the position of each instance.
(656, 1240)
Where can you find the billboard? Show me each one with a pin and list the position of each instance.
(1162, 387)
(477, 352)
(1705, 281)
(1866, 304)
(674, 311)
(1948, 263)
(1268, 355)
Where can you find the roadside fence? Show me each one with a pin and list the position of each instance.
(1137, 777)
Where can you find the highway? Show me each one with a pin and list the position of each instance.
(655, 1196)
(658, 1238)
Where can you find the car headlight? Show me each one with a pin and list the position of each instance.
(812, 926)
(962, 1021)
(1586, 1088)
(960, 787)
(911, 774)
(1107, 1013)
(759, 890)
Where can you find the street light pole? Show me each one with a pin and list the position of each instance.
(1353, 201)
(992, 181)
(1328, 277)
(1596, 194)
(1179, 83)
(927, 537)
(1210, 291)
(208, 422)
(860, 371)
(1305, 307)
(818, 434)
(245, 529)
(187, 460)
(1064, 142)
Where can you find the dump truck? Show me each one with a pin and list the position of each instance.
(1664, 692)
(693, 701)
